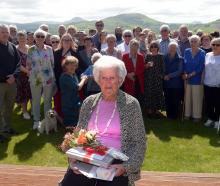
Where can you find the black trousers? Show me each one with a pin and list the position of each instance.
(212, 102)
(172, 100)
(72, 179)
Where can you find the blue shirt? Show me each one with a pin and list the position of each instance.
(174, 69)
(194, 64)
(69, 92)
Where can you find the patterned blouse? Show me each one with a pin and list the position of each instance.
(40, 63)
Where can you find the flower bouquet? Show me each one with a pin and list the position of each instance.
(82, 145)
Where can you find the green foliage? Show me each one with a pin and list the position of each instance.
(127, 21)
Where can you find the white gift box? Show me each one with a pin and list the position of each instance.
(91, 158)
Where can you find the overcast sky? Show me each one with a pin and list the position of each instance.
(170, 11)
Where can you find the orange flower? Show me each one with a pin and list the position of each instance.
(82, 139)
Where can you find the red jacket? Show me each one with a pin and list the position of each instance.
(129, 86)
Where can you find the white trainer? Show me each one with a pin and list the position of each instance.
(36, 124)
(208, 123)
(217, 125)
(26, 116)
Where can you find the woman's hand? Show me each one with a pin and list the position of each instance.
(72, 163)
(120, 170)
(131, 76)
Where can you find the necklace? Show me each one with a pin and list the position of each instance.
(109, 121)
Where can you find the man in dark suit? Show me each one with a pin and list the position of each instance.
(9, 69)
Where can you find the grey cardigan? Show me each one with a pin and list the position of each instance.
(133, 137)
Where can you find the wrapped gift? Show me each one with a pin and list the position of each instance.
(98, 159)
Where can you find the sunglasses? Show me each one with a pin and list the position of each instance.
(217, 45)
(127, 36)
(53, 42)
(40, 36)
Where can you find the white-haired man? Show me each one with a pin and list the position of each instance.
(183, 40)
(165, 39)
(124, 47)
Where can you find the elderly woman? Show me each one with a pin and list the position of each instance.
(173, 84)
(117, 119)
(134, 63)
(212, 84)
(153, 81)
(55, 40)
(206, 43)
(40, 62)
(111, 49)
(67, 47)
(124, 47)
(194, 59)
(23, 85)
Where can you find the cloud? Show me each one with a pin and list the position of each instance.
(162, 10)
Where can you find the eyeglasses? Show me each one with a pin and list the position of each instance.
(40, 36)
(217, 45)
(53, 42)
(127, 36)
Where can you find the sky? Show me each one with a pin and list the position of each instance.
(169, 11)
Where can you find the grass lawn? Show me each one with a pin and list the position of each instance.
(173, 146)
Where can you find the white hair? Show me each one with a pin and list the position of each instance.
(127, 32)
(2, 26)
(13, 26)
(43, 26)
(110, 36)
(106, 62)
(164, 27)
(95, 57)
(194, 37)
(54, 37)
(173, 43)
(216, 40)
(40, 31)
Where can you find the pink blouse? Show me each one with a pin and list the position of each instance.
(112, 136)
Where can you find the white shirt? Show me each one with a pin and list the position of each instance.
(212, 70)
(124, 48)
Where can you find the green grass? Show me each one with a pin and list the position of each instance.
(172, 146)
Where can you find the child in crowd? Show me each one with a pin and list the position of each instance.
(69, 86)
(92, 86)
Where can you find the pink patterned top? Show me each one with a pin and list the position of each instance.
(112, 136)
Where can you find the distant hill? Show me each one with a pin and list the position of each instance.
(127, 21)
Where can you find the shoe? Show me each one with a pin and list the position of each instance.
(217, 125)
(26, 116)
(36, 124)
(208, 123)
(10, 131)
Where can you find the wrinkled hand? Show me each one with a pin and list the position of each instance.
(72, 162)
(131, 76)
(166, 78)
(11, 79)
(185, 76)
(120, 170)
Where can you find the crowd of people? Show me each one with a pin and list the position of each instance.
(176, 72)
